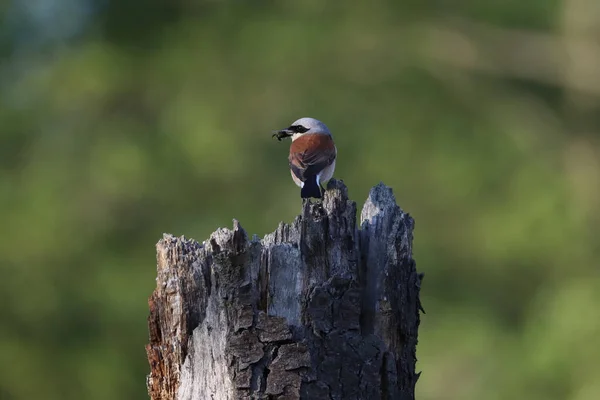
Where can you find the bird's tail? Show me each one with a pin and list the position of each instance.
(311, 188)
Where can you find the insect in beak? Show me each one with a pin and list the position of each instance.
(282, 134)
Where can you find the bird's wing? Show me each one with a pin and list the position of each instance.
(309, 154)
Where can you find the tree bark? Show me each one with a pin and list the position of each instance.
(318, 309)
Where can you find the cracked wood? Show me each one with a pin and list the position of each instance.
(318, 309)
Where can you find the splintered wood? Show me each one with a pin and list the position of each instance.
(318, 309)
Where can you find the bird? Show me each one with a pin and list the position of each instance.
(312, 155)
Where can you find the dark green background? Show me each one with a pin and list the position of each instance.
(123, 120)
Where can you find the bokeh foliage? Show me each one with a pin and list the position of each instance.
(123, 120)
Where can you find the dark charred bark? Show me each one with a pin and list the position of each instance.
(318, 309)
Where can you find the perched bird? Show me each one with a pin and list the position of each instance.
(312, 155)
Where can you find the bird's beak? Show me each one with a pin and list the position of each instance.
(282, 134)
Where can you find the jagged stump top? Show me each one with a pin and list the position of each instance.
(317, 309)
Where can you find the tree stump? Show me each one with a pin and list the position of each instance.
(318, 309)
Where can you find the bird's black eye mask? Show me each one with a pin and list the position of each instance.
(298, 128)
(287, 132)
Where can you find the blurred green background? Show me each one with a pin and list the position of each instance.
(123, 120)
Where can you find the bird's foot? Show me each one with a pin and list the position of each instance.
(322, 191)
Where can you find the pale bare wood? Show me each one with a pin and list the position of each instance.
(318, 309)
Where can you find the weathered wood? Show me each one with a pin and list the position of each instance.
(318, 309)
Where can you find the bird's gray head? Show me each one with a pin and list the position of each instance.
(302, 126)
